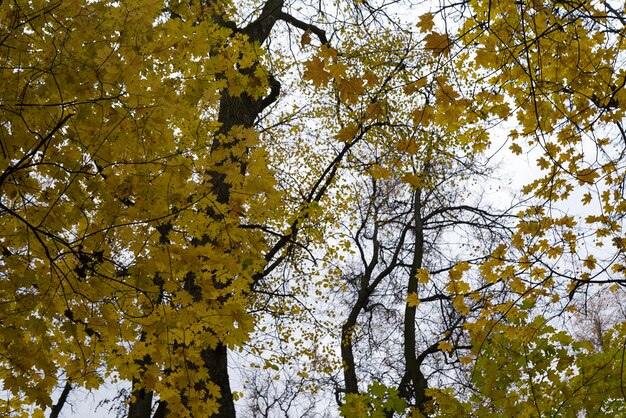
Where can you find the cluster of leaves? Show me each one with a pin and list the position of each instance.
(179, 179)
(110, 220)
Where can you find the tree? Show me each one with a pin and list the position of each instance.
(545, 258)
(124, 250)
(170, 189)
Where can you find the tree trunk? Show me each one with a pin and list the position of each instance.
(216, 360)
(416, 376)
(347, 355)
(141, 406)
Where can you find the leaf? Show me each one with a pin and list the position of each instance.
(458, 269)
(379, 172)
(460, 305)
(555, 252)
(590, 262)
(587, 176)
(371, 79)
(426, 22)
(306, 38)
(445, 346)
(517, 285)
(466, 360)
(413, 180)
(437, 43)
(423, 276)
(423, 116)
(415, 86)
(347, 133)
(458, 287)
(413, 300)
(315, 72)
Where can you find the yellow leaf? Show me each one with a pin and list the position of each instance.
(373, 111)
(543, 163)
(460, 287)
(379, 172)
(417, 85)
(38, 413)
(587, 176)
(328, 52)
(315, 72)
(347, 133)
(423, 276)
(445, 346)
(484, 58)
(466, 360)
(408, 145)
(457, 271)
(426, 22)
(502, 110)
(517, 285)
(555, 251)
(590, 262)
(413, 180)
(350, 89)
(370, 78)
(338, 70)
(460, 305)
(423, 116)
(412, 300)
(515, 149)
(437, 43)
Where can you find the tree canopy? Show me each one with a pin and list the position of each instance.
(313, 208)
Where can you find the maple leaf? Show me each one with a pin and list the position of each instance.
(457, 270)
(587, 176)
(438, 43)
(379, 172)
(466, 360)
(460, 305)
(423, 276)
(315, 72)
(516, 149)
(517, 285)
(413, 300)
(370, 78)
(412, 179)
(347, 133)
(445, 346)
(426, 22)
(590, 262)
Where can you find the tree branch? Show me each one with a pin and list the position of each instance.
(56, 408)
(260, 29)
(320, 33)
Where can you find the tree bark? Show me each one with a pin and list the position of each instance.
(141, 406)
(414, 373)
(347, 355)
